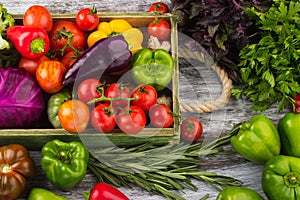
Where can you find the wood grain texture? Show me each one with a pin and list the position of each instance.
(198, 83)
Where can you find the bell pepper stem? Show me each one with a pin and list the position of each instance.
(37, 45)
(64, 156)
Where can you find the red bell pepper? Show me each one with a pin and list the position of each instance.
(31, 42)
(105, 191)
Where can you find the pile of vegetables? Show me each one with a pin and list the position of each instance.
(276, 147)
(54, 69)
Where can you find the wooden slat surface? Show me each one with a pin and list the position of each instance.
(197, 83)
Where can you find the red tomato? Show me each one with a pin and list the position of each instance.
(116, 90)
(69, 58)
(191, 129)
(74, 116)
(38, 16)
(105, 191)
(88, 89)
(159, 7)
(146, 96)
(131, 120)
(50, 75)
(63, 31)
(296, 108)
(103, 118)
(87, 19)
(31, 65)
(161, 116)
(159, 28)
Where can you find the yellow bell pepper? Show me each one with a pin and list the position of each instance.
(133, 36)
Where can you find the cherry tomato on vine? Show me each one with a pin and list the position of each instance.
(50, 75)
(38, 16)
(65, 34)
(103, 118)
(69, 58)
(87, 19)
(115, 90)
(131, 120)
(191, 129)
(159, 28)
(159, 7)
(88, 89)
(146, 96)
(30, 65)
(161, 116)
(74, 116)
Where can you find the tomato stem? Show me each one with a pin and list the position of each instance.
(5, 168)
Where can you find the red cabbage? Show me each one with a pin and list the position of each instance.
(21, 99)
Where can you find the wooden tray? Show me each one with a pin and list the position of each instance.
(35, 138)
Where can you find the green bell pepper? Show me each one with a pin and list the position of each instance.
(281, 178)
(64, 163)
(152, 68)
(54, 103)
(289, 131)
(238, 193)
(43, 194)
(257, 139)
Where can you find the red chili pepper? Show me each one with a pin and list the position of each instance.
(31, 42)
(105, 191)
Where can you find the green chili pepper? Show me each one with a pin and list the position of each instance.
(238, 193)
(152, 68)
(281, 178)
(43, 194)
(289, 131)
(257, 140)
(64, 164)
(54, 103)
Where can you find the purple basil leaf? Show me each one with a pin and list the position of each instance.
(21, 99)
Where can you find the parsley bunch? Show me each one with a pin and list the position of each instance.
(270, 71)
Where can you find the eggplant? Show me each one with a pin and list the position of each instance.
(106, 56)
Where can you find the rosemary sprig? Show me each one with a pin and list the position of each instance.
(160, 170)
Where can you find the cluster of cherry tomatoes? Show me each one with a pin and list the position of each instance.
(106, 106)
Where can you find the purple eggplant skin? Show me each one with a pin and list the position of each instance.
(106, 56)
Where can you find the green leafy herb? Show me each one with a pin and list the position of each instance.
(270, 68)
(160, 169)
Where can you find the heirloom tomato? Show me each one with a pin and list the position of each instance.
(161, 116)
(30, 65)
(38, 16)
(50, 75)
(131, 120)
(146, 96)
(191, 129)
(16, 166)
(65, 34)
(159, 28)
(159, 7)
(87, 19)
(88, 89)
(116, 90)
(103, 118)
(74, 116)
